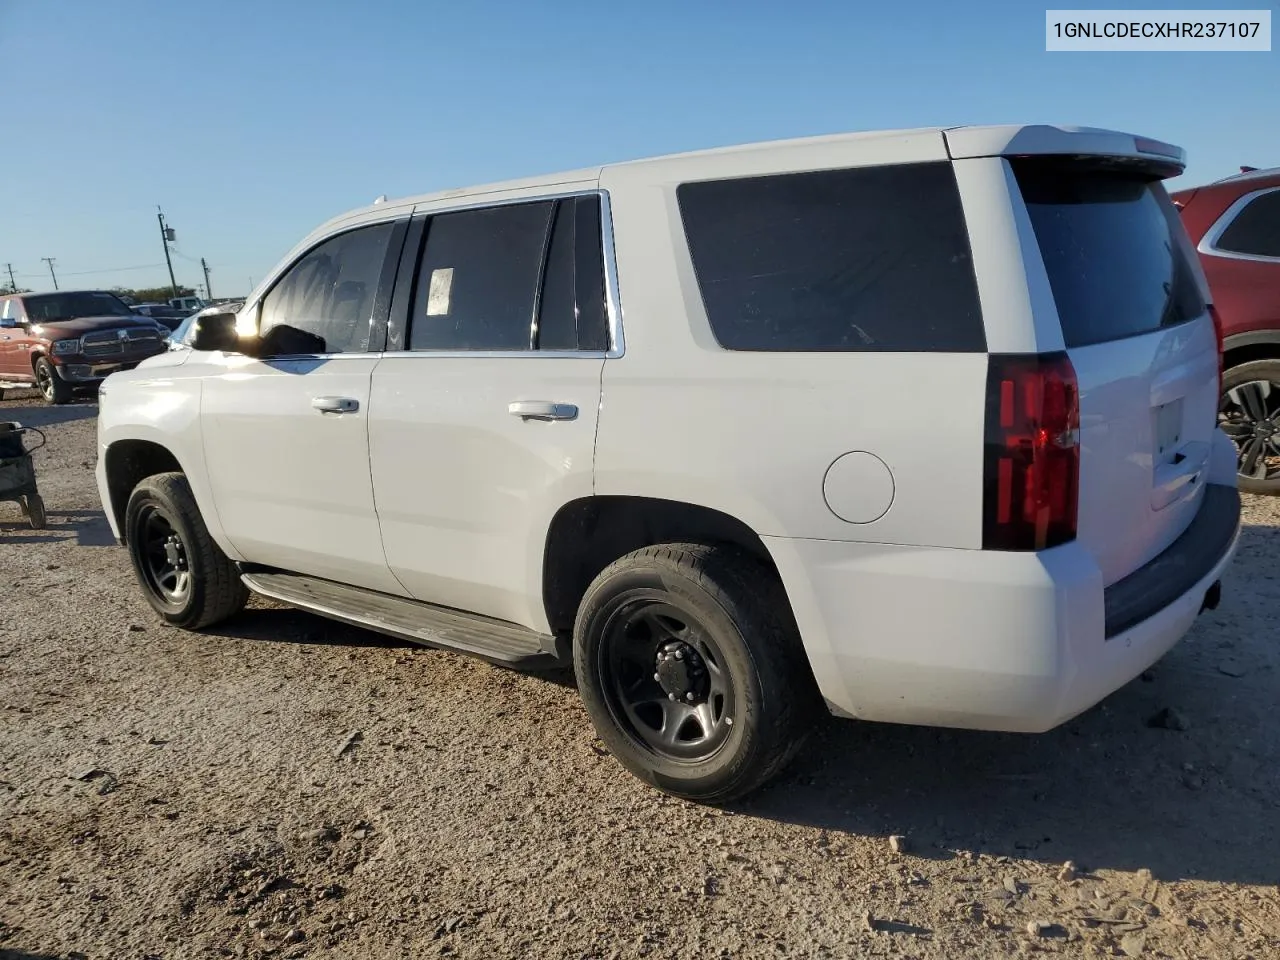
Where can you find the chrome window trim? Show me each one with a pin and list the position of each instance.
(613, 300)
(1209, 242)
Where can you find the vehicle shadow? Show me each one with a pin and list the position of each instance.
(41, 416)
(6, 954)
(1107, 789)
(88, 528)
(280, 624)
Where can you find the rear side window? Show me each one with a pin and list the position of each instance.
(512, 278)
(1256, 228)
(867, 259)
(1112, 247)
(477, 287)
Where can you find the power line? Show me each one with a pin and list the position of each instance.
(144, 266)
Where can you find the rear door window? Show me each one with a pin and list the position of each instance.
(1112, 246)
(863, 259)
(477, 287)
(1255, 229)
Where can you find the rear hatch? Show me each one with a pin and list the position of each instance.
(1132, 305)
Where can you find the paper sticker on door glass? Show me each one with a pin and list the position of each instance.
(438, 292)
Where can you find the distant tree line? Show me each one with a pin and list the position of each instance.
(152, 294)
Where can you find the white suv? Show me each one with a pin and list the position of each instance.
(918, 425)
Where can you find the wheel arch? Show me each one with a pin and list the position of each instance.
(1249, 346)
(126, 463)
(589, 533)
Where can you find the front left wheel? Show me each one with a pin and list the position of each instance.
(184, 575)
(53, 388)
(692, 671)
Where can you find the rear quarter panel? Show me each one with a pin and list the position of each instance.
(754, 434)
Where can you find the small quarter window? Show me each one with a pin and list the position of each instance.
(1255, 229)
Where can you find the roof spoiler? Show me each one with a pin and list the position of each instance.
(1044, 140)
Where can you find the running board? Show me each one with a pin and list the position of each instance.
(412, 620)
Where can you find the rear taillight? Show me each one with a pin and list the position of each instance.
(1032, 452)
(1217, 333)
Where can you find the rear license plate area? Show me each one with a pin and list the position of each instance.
(1168, 431)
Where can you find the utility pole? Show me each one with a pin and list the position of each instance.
(49, 261)
(208, 290)
(166, 234)
(13, 284)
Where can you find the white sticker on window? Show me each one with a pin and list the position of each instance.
(438, 292)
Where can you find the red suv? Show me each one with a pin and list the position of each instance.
(1235, 225)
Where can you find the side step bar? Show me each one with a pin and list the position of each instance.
(412, 620)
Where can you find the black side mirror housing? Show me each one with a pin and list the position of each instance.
(216, 331)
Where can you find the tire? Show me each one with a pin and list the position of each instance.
(50, 383)
(1249, 413)
(737, 637)
(34, 509)
(185, 577)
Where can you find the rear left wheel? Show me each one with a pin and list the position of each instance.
(692, 670)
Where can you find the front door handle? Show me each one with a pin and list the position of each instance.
(335, 404)
(542, 410)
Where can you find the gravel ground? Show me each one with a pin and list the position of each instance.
(285, 786)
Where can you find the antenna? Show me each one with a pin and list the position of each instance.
(381, 199)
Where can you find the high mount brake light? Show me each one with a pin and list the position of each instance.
(1032, 452)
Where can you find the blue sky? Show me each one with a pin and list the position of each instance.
(251, 122)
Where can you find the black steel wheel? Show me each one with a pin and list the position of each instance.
(692, 670)
(184, 575)
(666, 680)
(166, 571)
(1249, 413)
(52, 387)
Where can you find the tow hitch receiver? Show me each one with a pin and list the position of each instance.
(1212, 597)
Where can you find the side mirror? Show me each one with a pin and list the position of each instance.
(217, 331)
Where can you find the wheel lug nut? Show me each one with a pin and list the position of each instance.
(658, 678)
(679, 654)
(671, 696)
(689, 696)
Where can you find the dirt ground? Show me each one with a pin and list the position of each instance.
(286, 786)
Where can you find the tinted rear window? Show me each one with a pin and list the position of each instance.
(867, 259)
(1111, 248)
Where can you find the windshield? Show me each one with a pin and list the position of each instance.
(49, 307)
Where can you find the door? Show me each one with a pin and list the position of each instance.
(286, 433)
(1131, 302)
(14, 362)
(483, 413)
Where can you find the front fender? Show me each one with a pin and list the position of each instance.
(162, 411)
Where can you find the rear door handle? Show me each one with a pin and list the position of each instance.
(542, 410)
(335, 404)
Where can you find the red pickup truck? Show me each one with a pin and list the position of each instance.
(71, 340)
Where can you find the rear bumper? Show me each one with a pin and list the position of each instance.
(990, 640)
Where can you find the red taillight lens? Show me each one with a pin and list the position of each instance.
(1217, 332)
(1032, 457)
